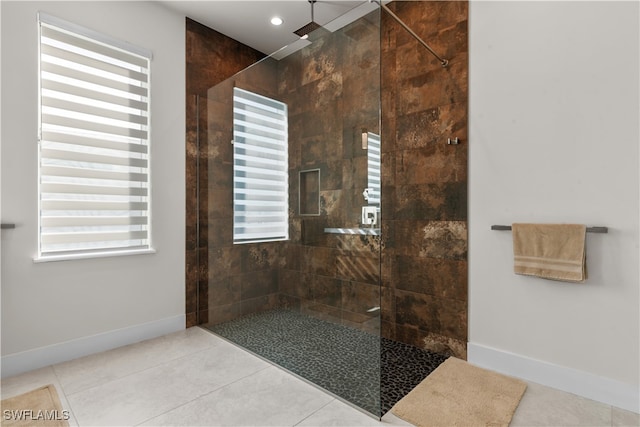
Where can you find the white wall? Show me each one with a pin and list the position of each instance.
(63, 309)
(554, 136)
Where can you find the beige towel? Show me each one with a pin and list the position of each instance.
(550, 251)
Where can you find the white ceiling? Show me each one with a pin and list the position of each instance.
(248, 21)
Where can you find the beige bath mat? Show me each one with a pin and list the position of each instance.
(460, 394)
(39, 407)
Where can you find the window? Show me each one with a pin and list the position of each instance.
(94, 195)
(260, 168)
(373, 168)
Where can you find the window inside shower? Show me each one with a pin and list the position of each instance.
(260, 168)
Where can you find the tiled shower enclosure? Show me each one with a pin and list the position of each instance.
(404, 278)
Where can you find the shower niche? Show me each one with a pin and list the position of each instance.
(309, 192)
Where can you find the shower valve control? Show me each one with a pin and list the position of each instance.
(369, 215)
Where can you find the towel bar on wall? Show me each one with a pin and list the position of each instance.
(362, 231)
(589, 229)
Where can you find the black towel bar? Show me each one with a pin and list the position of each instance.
(589, 229)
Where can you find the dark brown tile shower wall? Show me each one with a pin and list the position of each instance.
(332, 90)
(210, 58)
(424, 197)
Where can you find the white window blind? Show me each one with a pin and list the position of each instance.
(373, 168)
(94, 143)
(260, 168)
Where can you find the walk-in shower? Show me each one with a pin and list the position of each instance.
(295, 203)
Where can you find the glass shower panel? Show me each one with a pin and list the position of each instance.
(294, 271)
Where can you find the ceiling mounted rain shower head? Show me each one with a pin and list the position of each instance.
(310, 27)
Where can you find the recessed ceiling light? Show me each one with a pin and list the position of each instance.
(276, 20)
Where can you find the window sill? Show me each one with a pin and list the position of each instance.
(71, 257)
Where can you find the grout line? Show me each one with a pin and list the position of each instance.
(316, 411)
(611, 415)
(64, 393)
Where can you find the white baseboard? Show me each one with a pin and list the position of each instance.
(601, 389)
(25, 361)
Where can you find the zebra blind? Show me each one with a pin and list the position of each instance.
(94, 143)
(373, 168)
(260, 168)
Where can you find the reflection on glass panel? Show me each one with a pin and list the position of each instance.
(260, 166)
(373, 169)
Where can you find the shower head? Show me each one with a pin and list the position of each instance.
(305, 30)
(309, 28)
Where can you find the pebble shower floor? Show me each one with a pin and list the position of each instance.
(366, 370)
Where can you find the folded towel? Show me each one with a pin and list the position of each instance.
(550, 251)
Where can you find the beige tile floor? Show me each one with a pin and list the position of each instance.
(193, 378)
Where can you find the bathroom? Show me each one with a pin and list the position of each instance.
(523, 94)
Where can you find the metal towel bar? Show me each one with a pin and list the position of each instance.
(589, 229)
(362, 231)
